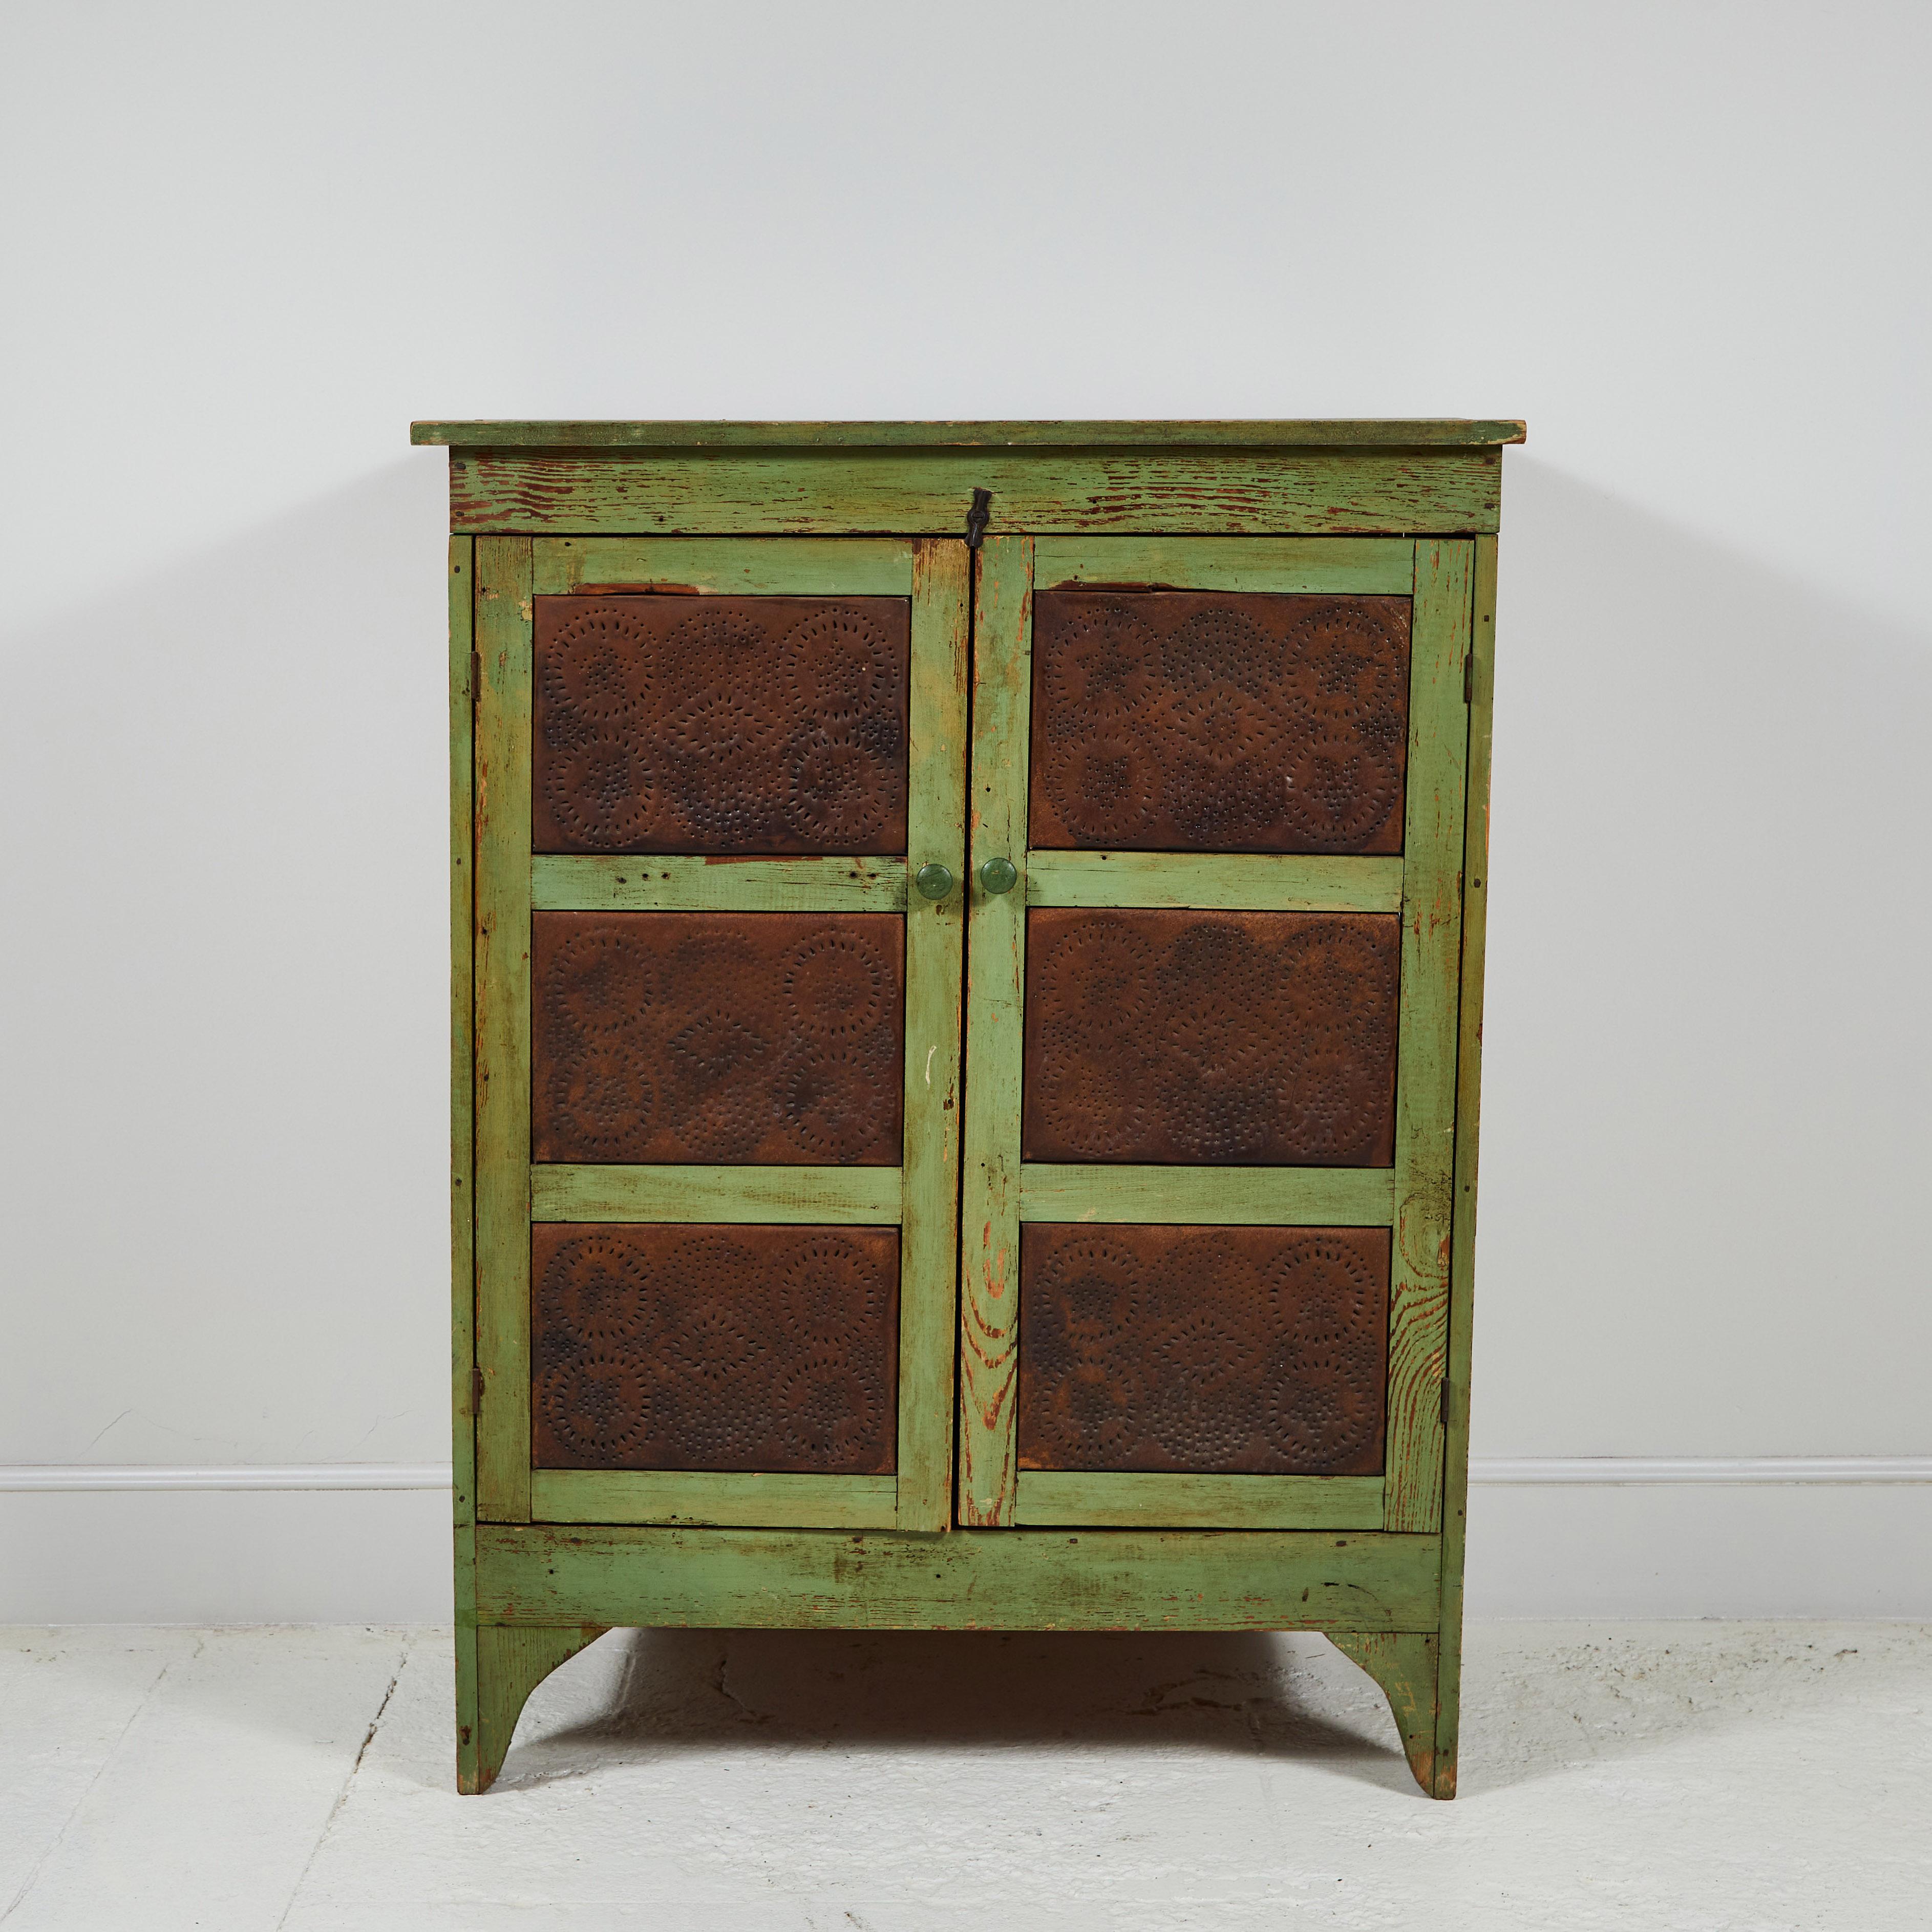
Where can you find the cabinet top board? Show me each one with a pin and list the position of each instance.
(1379, 432)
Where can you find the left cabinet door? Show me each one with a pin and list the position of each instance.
(717, 1027)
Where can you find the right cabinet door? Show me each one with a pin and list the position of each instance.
(1213, 937)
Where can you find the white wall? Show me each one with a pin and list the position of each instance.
(246, 245)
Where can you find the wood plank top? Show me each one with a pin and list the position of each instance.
(1377, 433)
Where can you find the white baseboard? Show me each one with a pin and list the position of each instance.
(1606, 1536)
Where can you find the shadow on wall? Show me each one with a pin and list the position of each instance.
(1707, 1045)
(224, 784)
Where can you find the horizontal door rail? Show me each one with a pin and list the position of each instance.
(726, 566)
(830, 1195)
(1360, 566)
(1134, 1499)
(1214, 881)
(1313, 1197)
(651, 882)
(713, 1496)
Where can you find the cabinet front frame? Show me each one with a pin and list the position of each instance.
(920, 1195)
(1413, 1199)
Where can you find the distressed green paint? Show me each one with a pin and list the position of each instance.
(461, 585)
(503, 946)
(835, 1196)
(700, 1496)
(1316, 1197)
(1426, 1063)
(1362, 566)
(511, 1661)
(996, 977)
(1124, 1499)
(1254, 492)
(1404, 1664)
(1218, 881)
(803, 439)
(998, 1579)
(935, 956)
(653, 882)
(1469, 1102)
(728, 566)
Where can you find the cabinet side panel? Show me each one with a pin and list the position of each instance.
(502, 943)
(935, 955)
(462, 1124)
(1426, 1070)
(1469, 1110)
(989, 1258)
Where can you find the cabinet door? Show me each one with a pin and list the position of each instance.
(718, 1028)
(1210, 1029)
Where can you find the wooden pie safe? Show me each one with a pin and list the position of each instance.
(967, 973)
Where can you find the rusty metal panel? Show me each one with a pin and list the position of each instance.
(714, 1348)
(742, 725)
(707, 1038)
(1254, 1351)
(1218, 721)
(1223, 1038)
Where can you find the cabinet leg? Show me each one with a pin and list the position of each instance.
(497, 1667)
(1404, 1664)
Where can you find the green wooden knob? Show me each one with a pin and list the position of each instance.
(934, 881)
(999, 875)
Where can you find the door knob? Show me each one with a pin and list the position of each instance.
(934, 881)
(999, 875)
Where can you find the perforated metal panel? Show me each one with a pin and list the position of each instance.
(740, 724)
(1219, 721)
(718, 1037)
(1223, 1038)
(715, 1347)
(1248, 1350)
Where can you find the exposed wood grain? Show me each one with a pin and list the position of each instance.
(1222, 881)
(1425, 1069)
(1366, 566)
(926, 492)
(835, 1196)
(654, 882)
(1314, 1197)
(502, 943)
(1099, 1499)
(728, 566)
(1000, 1579)
(511, 1661)
(935, 960)
(1404, 1663)
(713, 1496)
(989, 1233)
(1468, 1120)
(1373, 432)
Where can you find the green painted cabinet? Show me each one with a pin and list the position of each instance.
(966, 948)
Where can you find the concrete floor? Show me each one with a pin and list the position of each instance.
(1658, 1776)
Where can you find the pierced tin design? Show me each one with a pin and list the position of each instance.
(710, 1038)
(1222, 1038)
(742, 725)
(714, 1348)
(1182, 720)
(1255, 1350)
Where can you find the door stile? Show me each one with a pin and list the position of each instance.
(989, 1237)
(1425, 1146)
(935, 960)
(502, 943)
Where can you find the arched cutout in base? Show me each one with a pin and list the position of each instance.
(504, 1663)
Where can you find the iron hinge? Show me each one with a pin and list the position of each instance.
(1469, 678)
(1448, 1402)
(476, 1391)
(978, 517)
(475, 676)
